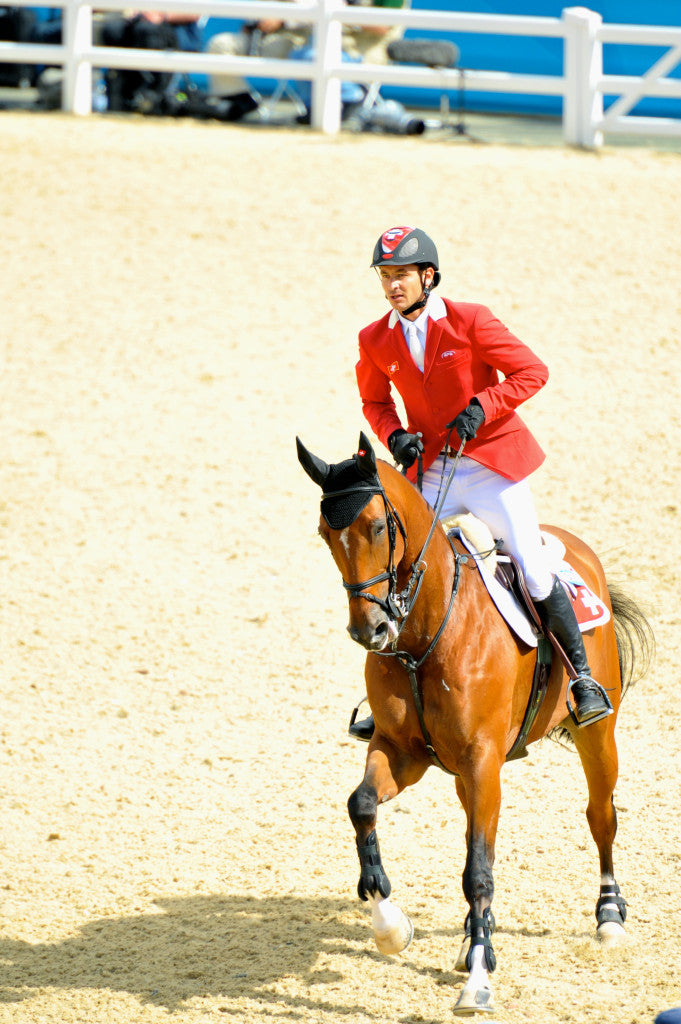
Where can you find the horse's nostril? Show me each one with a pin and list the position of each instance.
(372, 638)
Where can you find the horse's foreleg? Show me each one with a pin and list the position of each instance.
(460, 962)
(386, 774)
(482, 793)
(598, 753)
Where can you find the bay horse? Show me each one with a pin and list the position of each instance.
(448, 683)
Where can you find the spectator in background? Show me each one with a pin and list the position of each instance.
(144, 91)
(361, 110)
(369, 43)
(267, 37)
(145, 30)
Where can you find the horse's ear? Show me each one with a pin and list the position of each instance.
(366, 458)
(315, 468)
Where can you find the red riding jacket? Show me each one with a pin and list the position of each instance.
(466, 346)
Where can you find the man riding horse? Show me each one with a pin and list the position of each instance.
(445, 359)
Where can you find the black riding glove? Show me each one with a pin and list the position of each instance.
(405, 448)
(468, 422)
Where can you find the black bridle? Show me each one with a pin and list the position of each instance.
(398, 606)
(394, 605)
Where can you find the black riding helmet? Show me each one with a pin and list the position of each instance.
(400, 247)
(403, 246)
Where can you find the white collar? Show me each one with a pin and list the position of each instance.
(436, 310)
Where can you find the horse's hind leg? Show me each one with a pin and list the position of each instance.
(387, 773)
(598, 753)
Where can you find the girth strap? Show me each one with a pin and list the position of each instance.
(540, 680)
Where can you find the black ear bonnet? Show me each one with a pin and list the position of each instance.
(347, 489)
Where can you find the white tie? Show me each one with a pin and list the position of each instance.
(415, 346)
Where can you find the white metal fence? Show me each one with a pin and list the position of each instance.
(582, 86)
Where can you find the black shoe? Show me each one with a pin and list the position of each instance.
(591, 701)
(233, 108)
(362, 730)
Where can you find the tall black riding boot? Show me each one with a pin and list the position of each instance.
(591, 701)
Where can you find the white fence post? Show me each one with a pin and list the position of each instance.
(583, 64)
(326, 90)
(77, 86)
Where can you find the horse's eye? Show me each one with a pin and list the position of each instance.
(379, 529)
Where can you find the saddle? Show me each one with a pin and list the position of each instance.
(506, 585)
(505, 582)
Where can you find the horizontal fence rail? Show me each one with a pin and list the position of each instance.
(582, 85)
(653, 83)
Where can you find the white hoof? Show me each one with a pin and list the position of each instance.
(460, 962)
(476, 996)
(393, 931)
(610, 933)
(474, 1001)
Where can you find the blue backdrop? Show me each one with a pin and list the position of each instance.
(530, 55)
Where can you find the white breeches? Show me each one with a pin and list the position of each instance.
(506, 507)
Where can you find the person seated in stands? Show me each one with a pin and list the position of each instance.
(367, 44)
(268, 37)
(147, 30)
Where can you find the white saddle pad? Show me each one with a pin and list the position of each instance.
(589, 609)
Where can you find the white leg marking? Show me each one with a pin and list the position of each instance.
(393, 930)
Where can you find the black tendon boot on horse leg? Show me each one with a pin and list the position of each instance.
(557, 615)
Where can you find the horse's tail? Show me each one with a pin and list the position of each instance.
(634, 635)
